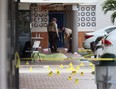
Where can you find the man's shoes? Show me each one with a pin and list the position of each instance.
(69, 51)
(56, 52)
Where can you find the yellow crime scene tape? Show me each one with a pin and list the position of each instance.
(84, 50)
(41, 56)
(48, 59)
(17, 60)
(101, 59)
(58, 57)
(61, 58)
(88, 56)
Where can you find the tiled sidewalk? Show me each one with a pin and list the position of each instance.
(43, 81)
(38, 77)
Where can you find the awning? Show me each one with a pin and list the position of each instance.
(59, 1)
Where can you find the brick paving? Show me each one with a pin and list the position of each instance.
(38, 77)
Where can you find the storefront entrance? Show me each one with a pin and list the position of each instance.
(60, 17)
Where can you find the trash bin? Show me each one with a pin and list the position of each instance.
(105, 73)
(105, 77)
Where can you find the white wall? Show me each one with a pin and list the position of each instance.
(102, 20)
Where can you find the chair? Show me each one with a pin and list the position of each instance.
(35, 47)
(36, 44)
(27, 49)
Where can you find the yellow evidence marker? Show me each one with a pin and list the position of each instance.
(27, 63)
(50, 73)
(57, 71)
(81, 64)
(72, 68)
(93, 68)
(81, 73)
(70, 65)
(76, 81)
(61, 66)
(30, 69)
(78, 67)
(74, 72)
(49, 68)
(91, 64)
(69, 78)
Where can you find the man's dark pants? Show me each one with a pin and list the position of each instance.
(53, 41)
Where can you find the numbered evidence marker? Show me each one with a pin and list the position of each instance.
(71, 67)
(49, 68)
(82, 73)
(77, 68)
(93, 68)
(81, 64)
(69, 78)
(30, 69)
(76, 81)
(50, 73)
(27, 63)
(74, 72)
(61, 66)
(57, 72)
(91, 64)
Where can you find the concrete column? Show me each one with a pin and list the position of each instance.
(71, 22)
(68, 16)
(3, 46)
(74, 32)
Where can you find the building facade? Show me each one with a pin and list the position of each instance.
(88, 16)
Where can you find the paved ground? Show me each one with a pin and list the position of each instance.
(65, 74)
(57, 76)
(43, 81)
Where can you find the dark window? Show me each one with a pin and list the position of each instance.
(110, 29)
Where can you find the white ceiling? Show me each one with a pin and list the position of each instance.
(59, 1)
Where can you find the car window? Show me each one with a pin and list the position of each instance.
(110, 29)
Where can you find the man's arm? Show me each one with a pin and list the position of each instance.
(56, 28)
(68, 32)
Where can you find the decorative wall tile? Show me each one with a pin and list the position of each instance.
(86, 16)
(83, 19)
(82, 8)
(83, 24)
(93, 24)
(88, 24)
(39, 19)
(82, 13)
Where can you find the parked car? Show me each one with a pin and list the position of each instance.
(97, 47)
(109, 51)
(92, 36)
(109, 43)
